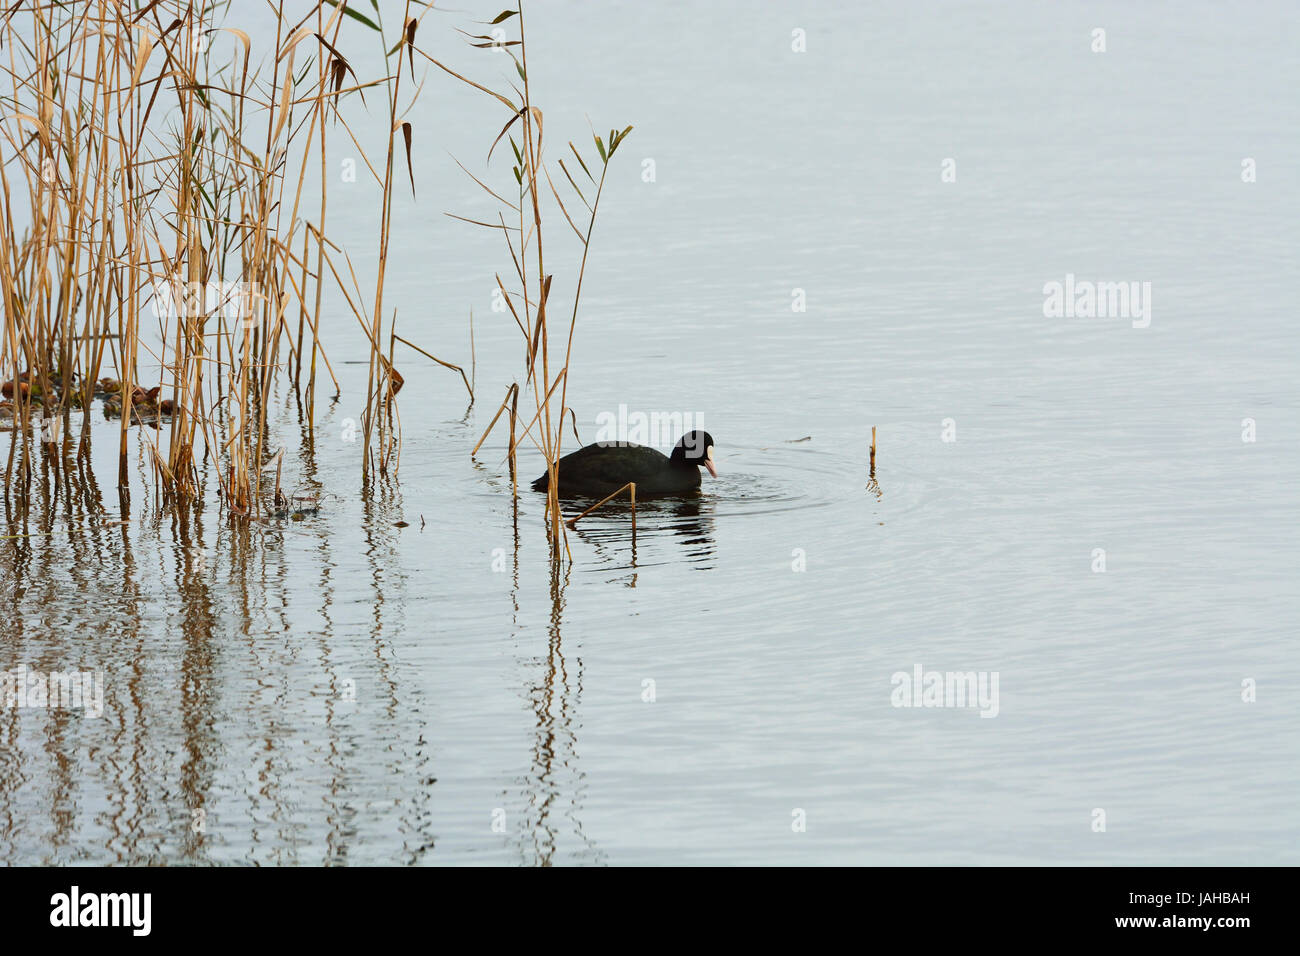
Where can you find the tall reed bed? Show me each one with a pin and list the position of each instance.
(152, 163)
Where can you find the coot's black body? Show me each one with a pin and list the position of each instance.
(599, 470)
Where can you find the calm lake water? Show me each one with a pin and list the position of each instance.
(341, 690)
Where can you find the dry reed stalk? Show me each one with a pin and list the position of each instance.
(514, 417)
(630, 488)
(512, 399)
(468, 387)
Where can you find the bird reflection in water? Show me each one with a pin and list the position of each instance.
(688, 518)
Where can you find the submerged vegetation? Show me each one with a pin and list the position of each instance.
(153, 176)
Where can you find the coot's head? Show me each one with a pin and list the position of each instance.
(696, 448)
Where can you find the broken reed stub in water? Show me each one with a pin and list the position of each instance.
(630, 488)
(873, 451)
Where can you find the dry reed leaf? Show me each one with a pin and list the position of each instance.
(406, 135)
(501, 199)
(288, 48)
(505, 129)
(477, 86)
(40, 127)
(243, 38)
(578, 157)
(476, 222)
(141, 58)
(140, 14)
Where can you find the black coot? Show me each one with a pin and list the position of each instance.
(602, 469)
